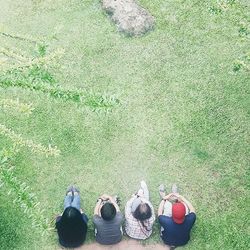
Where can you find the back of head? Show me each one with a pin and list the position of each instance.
(178, 212)
(143, 212)
(108, 211)
(71, 228)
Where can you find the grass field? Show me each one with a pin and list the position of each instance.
(171, 106)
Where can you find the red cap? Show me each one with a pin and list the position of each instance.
(178, 212)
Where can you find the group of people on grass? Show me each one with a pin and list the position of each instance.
(176, 216)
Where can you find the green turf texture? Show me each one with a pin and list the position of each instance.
(181, 113)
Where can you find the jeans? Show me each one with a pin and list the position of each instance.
(143, 192)
(72, 201)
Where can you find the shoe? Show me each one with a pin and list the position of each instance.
(75, 190)
(117, 200)
(69, 189)
(162, 190)
(174, 188)
(143, 185)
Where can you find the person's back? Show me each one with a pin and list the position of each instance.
(72, 224)
(176, 234)
(107, 220)
(139, 214)
(176, 216)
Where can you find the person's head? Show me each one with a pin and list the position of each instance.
(108, 211)
(142, 212)
(71, 228)
(178, 212)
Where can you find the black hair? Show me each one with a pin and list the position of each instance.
(108, 211)
(71, 228)
(142, 213)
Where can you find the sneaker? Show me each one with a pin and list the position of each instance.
(75, 190)
(143, 185)
(69, 190)
(175, 189)
(162, 190)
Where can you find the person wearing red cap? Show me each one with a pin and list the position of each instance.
(176, 216)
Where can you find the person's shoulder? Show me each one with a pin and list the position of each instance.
(85, 218)
(163, 219)
(58, 218)
(97, 218)
(119, 215)
(191, 217)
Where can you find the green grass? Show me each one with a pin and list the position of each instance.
(171, 106)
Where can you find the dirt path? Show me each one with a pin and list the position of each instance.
(124, 245)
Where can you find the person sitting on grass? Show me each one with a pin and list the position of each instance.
(72, 224)
(176, 216)
(139, 214)
(107, 220)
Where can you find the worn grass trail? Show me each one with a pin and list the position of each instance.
(172, 106)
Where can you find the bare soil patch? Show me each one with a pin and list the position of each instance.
(129, 16)
(124, 245)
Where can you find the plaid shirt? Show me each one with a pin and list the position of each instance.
(133, 227)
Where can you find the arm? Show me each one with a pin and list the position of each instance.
(161, 206)
(97, 207)
(153, 212)
(189, 205)
(128, 207)
(111, 199)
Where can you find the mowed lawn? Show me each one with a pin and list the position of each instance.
(179, 113)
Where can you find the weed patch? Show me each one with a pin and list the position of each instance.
(15, 104)
(23, 198)
(19, 141)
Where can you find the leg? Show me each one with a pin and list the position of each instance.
(136, 202)
(162, 191)
(175, 189)
(67, 201)
(76, 202)
(167, 209)
(144, 187)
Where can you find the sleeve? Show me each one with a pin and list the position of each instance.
(162, 220)
(128, 207)
(119, 217)
(192, 218)
(58, 218)
(153, 212)
(85, 218)
(96, 219)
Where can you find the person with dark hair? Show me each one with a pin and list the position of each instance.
(176, 216)
(72, 224)
(107, 220)
(139, 214)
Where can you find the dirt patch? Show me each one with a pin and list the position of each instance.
(124, 245)
(129, 16)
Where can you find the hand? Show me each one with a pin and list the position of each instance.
(139, 195)
(179, 197)
(105, 197)
(168, 196)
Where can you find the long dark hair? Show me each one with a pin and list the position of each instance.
(142, 213)
(71, 228)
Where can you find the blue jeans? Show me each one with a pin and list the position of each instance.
(72, 201)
